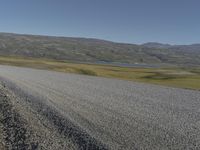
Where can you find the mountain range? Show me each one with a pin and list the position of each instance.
(95, 50)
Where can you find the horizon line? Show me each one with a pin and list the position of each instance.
(94, 38)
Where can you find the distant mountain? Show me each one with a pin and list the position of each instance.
(193, 48)
(95, 50)
(156, 45)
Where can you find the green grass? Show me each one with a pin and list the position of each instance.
(86, 72)
(176, 77)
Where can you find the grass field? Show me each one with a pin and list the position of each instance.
(175, 77)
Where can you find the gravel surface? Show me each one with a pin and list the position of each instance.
(22, 128)
(99, 113)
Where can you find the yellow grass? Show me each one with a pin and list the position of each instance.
(176, 77)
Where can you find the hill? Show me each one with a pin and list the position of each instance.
(95, 50)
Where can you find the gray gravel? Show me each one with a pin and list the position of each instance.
(22, 128)
(110, 113)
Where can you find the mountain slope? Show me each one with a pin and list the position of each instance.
(90, 50)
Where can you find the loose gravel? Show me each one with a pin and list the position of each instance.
(22, 128)
(100, 113)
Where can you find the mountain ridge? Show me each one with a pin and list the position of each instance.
(94, 50)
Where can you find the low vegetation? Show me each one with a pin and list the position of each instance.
(175, 77)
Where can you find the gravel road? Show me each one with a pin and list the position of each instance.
(85, 112)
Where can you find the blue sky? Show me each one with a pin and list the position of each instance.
(130, 21)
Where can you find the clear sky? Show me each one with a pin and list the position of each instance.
(130, 21)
